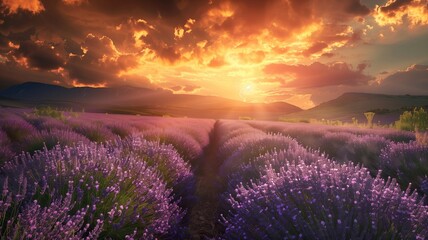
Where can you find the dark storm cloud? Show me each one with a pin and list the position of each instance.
(71, 46)
(395, 5)
(413, 80)
(319, 75)
(283, 18)
(11, 73)
(40, 56)
(100, 64)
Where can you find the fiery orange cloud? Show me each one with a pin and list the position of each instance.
(395, 11)
(99, 85)
(252, 50)
(12, 6)
(74, 2)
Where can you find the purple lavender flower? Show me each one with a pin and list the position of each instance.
(241, 149)
(253, 170)
(46, 123)
(94, 131)
(50, 138)
(122, 130)
(37, 222)
(186, 145)
(174, 170)
(408, 162)
(117, 188)
(16, 128)
(324, 200)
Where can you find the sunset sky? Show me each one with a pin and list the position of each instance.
(300, 51)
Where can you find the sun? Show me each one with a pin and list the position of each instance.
(247, 91)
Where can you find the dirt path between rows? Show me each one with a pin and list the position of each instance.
(203, 223)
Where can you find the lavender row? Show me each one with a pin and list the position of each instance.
(23, 132)
(292, 192)
(343, 144)
(408, 162)
(393, 152)
(324, 200)
(118, 190)
(308, 131)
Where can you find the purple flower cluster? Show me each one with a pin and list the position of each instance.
(122, 130)
(408, 162)
(185, 144)
(294, 193)
(343, 144)
(37, 222)
(16, 127)
(94, 131)
(309, 133)
(254, 169)
(324, 200)
(5, 148)
(47, 123)
(175, 172)
(50, 138)
(114, 193)
(123, 177)
(243, 148)
(27, 132)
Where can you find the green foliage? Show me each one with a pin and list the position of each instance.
(413, 120)
(294, 120)
(49, 112)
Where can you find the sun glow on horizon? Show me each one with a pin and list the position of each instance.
(249, 92)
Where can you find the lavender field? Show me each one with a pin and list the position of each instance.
(97, 176)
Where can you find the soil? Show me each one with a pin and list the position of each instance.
(204, 216)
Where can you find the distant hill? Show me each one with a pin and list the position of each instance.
(40, 92)
(387, 107)
(133, 100)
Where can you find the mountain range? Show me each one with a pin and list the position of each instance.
(387, 108)
(134, 100)
(160, 102)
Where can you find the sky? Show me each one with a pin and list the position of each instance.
(303, 52)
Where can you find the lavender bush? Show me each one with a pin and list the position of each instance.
(122, 191)
(16, 128)
(47, 123)
(5, 154)
(5, 151)
(324, 200)
(408, 162)
(240, 150)
(198, 130)
(366, 150)
(94, 131)
(51, 138)
(121, 130)
(308, 134)
(175, 172)
(253, 170)
(36, 222)
(344, 147)
(186, 145)
(230, 129)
